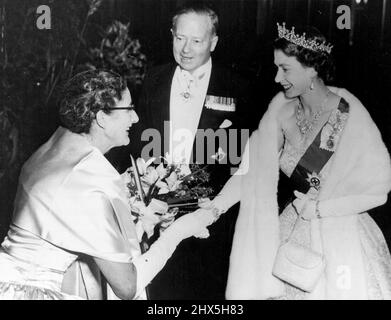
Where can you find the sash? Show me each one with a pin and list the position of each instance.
(307, 171)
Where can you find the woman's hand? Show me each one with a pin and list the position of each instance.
(194, 224)
(305, 206)
(213, 205)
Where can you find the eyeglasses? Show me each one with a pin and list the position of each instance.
(131, 107)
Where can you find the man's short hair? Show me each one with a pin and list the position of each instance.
(198, 7)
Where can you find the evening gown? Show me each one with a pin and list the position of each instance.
(308, 167)
(71, 206)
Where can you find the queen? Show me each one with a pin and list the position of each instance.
(325, 141)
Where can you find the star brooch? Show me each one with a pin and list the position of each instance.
(314, 180)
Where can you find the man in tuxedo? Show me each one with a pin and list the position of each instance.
(197, 111)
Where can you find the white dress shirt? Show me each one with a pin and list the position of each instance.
(187, 98)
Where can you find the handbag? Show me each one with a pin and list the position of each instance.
(298, 265)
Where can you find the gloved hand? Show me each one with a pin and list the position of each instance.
(192, 224)
(152, 261)
(305, 206)
(217, 205)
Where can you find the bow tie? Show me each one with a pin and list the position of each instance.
(190, 79)
(189, 82)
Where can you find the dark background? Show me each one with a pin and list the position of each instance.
(34, 62)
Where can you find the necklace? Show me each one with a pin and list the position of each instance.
(306, 125)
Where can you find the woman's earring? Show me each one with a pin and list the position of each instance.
(312, 85)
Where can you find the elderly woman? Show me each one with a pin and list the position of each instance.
(71, 221)
(324, 245)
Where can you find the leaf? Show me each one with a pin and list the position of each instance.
(150, 192)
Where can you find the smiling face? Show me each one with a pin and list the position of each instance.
(119, 121)
(193, 41)
(292, 75)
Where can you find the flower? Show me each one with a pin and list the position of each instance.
(157, 193)
(142, 165)
(172, 183)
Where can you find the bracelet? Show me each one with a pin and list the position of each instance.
(317, 210)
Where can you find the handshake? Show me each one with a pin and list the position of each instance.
(196, 223)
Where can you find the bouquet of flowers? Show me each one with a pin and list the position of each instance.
(159, 193)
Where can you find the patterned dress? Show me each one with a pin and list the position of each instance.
(308, 166)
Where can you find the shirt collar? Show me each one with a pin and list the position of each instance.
(201, 71)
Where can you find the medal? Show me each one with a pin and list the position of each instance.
(186, 95)
(330, 143)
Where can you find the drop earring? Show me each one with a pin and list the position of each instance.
(312, 85)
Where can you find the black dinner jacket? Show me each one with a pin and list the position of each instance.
(153, 108)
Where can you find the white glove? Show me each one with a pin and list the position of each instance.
(193, 224)
(216, 205)
(151, 262)
(305, 206)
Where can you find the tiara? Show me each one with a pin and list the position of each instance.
(301, 41)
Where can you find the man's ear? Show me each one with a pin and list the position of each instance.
(215, 39)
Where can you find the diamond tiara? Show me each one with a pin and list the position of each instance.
(301, 41)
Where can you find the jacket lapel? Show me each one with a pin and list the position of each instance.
(159, 100)
(161, 96)
(212, 119)
(216, 87)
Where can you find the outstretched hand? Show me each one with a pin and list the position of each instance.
(194, 224)
(209, 217)
(213, 205)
